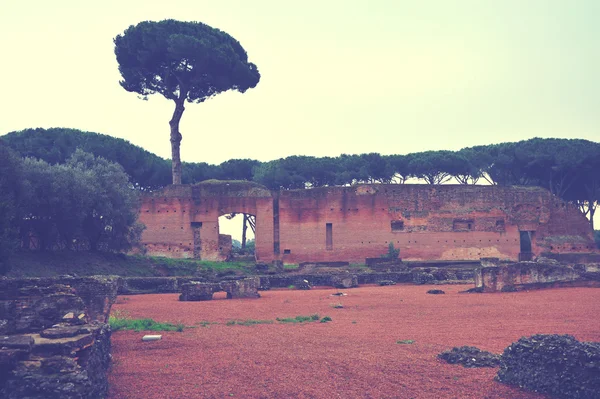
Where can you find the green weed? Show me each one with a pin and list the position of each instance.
(124, 323)
(248, 322)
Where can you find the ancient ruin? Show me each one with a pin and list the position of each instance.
(54, 337)
(243, 288)
(545, 273)
(426, 222)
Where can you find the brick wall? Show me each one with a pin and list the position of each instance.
(447, 222)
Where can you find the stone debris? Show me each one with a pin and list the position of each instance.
(344, 281)
(557, 365)
(470, 356)
(436, 292)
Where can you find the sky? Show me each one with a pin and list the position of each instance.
(337, 76)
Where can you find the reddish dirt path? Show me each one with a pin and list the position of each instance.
(354, 356)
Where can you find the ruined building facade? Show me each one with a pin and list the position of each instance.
(426, 222)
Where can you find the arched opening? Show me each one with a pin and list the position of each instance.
(237, 232)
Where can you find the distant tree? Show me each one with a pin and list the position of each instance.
(11, 196)
(111, 221)
(86, 203)
(436, 167)
(237, 169)
(183, 61)
(278, 174)
(398, 164)
(56, 145)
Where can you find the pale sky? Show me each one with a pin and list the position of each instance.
(338, 76)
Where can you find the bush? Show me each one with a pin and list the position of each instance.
(392, 253)
(557, 365)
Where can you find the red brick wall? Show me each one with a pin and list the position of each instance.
(439, 222)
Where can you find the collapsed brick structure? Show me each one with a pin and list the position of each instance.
(54, 340)
(243, 288)
(427, 222)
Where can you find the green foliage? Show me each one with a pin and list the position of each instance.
(298, 319)
(177, 58)
(57, 145)
(11, 195)
(249, 322)
(124, 323)
(326, 319)
(183, 61)
(392, 253)
(86, 203)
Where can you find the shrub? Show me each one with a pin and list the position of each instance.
(325, 319)
(392, 253)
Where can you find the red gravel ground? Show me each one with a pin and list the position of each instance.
(354, 356)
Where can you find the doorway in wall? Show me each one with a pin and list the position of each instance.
(526, 238)
(242, 229)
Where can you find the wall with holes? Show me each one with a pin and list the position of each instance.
(447, 222)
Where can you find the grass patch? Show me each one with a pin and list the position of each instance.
(82, 263)
(249, 322)
(124, 323)
(205, 323)
(298, 319)
(406, 342)
(291, 266)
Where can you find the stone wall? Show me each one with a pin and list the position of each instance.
(531, 275)
(349, 224)
(54, 340)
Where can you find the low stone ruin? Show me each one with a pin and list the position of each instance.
(243, 288)
(510, 277)
(54, 340)
(557, 365)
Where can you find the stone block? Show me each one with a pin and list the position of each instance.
(244, 288)
(195, 291)
(344, 281)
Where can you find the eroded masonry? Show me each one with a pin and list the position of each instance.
(441, 222)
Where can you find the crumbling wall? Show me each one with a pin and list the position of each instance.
(529, 275)
(54, 340)
(349, 224)
(183, 221)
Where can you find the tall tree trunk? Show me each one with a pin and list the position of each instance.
(176, 139)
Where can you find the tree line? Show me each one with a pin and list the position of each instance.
(567, 167)
(84, 203)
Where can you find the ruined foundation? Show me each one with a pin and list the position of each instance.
(235, 289)
(534, 275)
(54, 340)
